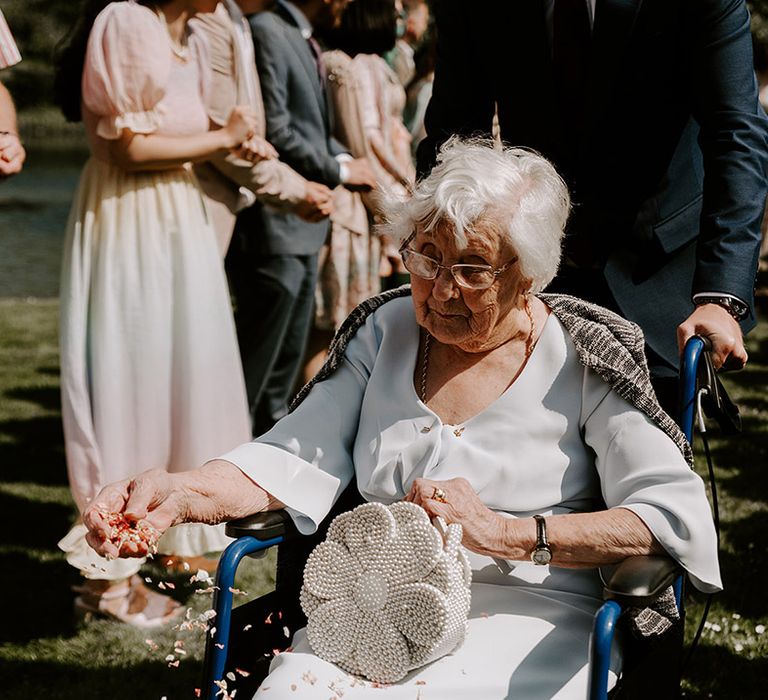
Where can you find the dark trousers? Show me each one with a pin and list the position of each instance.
(274, 299)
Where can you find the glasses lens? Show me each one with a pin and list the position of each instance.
(419, 265)
(473, 276)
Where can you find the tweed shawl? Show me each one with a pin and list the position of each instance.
(605, 342)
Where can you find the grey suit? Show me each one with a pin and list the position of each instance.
(273, 257)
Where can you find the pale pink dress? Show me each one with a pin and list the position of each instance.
(367, 103)
(151, 373)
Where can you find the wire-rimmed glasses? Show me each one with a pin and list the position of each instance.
(466, 275)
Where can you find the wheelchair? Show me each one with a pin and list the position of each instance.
(635, 582)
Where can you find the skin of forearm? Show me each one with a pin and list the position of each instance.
(7, 111)
(577, 540)
(218, 492)
(136, 152)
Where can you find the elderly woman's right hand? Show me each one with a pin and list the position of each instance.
(240, 126)
(151, 497)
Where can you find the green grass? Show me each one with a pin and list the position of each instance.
(45, 653)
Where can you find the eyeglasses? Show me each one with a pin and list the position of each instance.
(467, 276)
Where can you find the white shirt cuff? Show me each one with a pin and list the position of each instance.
(307, 492)
(341, 159)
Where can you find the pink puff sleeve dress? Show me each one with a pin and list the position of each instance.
(150, 368)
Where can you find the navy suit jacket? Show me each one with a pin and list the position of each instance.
(669, 182)
(298, 126)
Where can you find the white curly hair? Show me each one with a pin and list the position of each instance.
(515, 190)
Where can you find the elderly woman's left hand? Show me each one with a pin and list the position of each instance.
(483, 529)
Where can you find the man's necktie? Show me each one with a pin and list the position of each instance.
(317, 54)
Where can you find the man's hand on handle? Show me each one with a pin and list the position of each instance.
(724, 332)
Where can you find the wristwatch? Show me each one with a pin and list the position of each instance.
(541, 554)
(737, 308)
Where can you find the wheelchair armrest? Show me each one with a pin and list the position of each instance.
(263, 526)
(638, 581)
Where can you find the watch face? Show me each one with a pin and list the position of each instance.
(541, 556)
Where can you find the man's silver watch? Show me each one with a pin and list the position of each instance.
(541, 554)
(737, 308)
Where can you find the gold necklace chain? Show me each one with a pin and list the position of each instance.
(428, 338)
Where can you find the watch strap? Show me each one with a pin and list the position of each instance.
(734, 306)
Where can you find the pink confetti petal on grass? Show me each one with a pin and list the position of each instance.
(244, 674)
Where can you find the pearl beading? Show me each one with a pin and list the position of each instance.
(386, 592)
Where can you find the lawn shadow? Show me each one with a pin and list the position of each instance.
(744, 572)
(35, 452)
(122, 681)
(47, 397)
(744, 679)
(34, 447)
(41, 604)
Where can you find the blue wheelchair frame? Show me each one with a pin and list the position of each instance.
(636, 581)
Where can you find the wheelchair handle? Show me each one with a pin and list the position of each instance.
(263, 526)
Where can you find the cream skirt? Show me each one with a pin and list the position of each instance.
(150, 368)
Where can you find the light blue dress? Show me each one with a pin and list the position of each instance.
(558, 440)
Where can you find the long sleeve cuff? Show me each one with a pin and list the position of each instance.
(307, 492)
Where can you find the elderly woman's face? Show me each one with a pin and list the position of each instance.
(456, 315)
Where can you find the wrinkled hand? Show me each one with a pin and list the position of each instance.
(150, 497)
(483, 529)
(317, 204)
(12, 155)
(240, 126)
(360, 175)
(256, 149)
(714, 322)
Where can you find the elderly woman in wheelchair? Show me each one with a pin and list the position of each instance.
(526, 418)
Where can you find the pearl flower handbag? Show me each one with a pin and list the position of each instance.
(387, 591)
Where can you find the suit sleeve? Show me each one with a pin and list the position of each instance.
(462, 94)
(303, 156)
(734, 143)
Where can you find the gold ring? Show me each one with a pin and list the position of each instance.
(439, 495)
